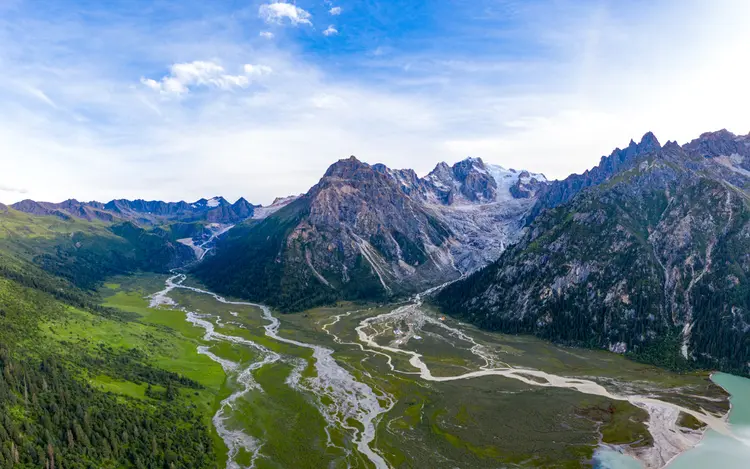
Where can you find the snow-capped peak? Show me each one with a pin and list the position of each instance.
(512, 184)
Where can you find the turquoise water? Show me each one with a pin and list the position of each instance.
(610, 459)
(715, 451)
(718, 451)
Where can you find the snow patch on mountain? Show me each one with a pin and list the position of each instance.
(484, 205)
(280, 202)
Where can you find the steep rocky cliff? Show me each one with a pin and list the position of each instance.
(649, 253)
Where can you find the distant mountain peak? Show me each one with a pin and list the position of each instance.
(649, 143)
(717, 135)
(671, 145)
(472, 160)
(346, 168)
(721, 143)
(216, 201)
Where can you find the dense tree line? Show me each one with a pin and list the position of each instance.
(52, 417)
(130, 365)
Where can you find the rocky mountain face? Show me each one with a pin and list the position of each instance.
(484, 205)
(648, 253)
(215, 210)
(370, 232)
(468, 182)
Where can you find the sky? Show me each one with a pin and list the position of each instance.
(183, 99)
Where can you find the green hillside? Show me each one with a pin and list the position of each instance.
(92, 383)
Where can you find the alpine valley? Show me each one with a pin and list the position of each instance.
(477, 316)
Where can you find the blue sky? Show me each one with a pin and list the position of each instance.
(184, 99)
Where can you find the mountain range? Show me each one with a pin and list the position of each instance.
(648, 253)
(214, 210)
(370, 232)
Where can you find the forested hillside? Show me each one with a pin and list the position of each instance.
(54, 412)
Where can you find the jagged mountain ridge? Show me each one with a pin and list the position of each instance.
(469, 181)
(214, 210)
(369, 231)
(648, 253)
(484, 204)
(559, 192)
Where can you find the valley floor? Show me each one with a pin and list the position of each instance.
(399, 386)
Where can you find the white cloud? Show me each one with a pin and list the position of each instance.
(17, 190)
(257, 70)
(266, 34)
(277, 12)
(331, 31)
(183, 76)
(335, 11)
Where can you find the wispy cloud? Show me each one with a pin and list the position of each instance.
(330, 31)
(335, 11)
(37, 93)
(16, 190)
(278, 12)
(184, 76)
(266, 34)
